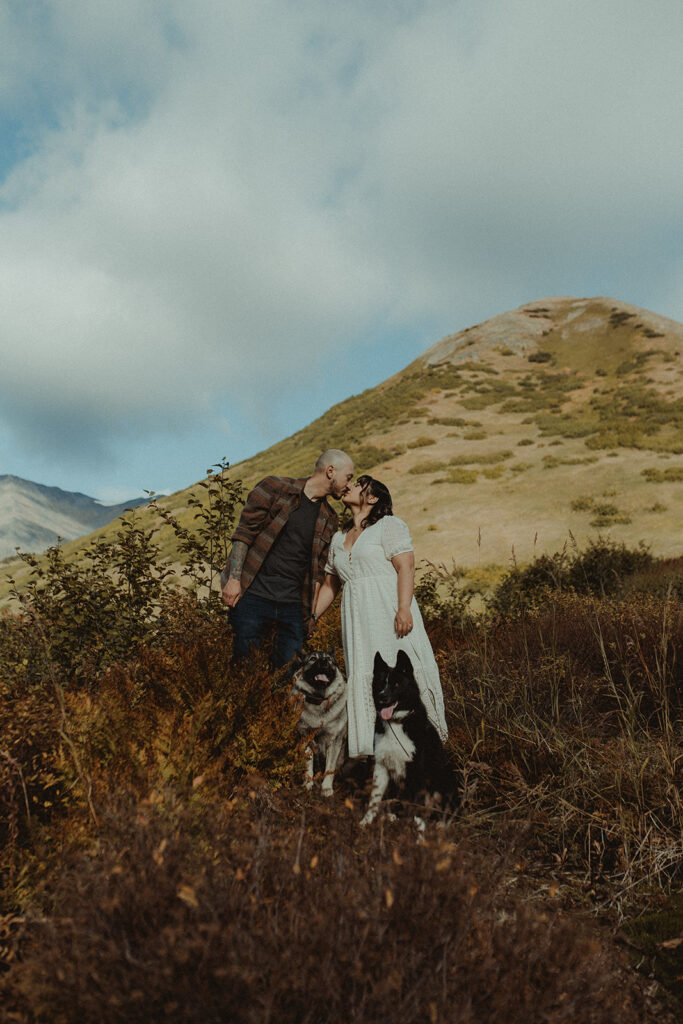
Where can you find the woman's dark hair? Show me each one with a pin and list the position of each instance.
(382, 507)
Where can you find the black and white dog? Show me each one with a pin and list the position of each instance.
(323, 688)
(408, 749)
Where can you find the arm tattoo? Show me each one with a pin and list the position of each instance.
(236, 562)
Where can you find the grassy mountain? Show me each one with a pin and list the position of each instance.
(565, 414)
(561, 418)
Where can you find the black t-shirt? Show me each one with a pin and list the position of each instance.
(284, 568)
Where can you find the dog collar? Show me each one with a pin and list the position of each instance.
(312, 698)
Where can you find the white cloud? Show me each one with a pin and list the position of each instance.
(221, 195)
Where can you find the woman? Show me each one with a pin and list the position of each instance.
(375, 562)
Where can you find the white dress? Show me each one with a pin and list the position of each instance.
(369, 605)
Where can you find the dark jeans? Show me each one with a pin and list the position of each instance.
(253, 617)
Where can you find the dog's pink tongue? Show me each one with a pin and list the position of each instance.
(322, 678)
(386, 713)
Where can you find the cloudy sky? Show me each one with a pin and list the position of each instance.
(219, 217)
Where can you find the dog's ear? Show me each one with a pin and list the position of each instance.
(380, 663)
(297, 660)
(403, 663)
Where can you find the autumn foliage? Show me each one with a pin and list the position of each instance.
(159, 859)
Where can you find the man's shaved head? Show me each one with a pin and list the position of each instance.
(332, 457)
(332, 474)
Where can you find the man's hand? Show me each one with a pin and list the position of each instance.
(232, 592)
(403, 622)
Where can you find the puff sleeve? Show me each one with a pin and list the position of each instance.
(329, 567)
(395, 537)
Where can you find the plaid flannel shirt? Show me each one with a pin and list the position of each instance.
(267, 509)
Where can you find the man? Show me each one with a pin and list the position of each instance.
(278, 555)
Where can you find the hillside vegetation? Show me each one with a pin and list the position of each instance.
(561, 419)
(159, 859)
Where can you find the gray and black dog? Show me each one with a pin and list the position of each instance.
(320, 682)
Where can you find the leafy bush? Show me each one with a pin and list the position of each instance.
(441, 596)
(114, 598)
(523, 588)
(367, 456)
(482, 460)
(37, 775)
(673, 474)
(204, 549)
(427, 466)
(603, 568)
(448, 421)
(462, 476)
(108, 600)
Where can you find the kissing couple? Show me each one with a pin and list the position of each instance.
(288, 562)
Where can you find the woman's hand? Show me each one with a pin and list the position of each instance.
(403, 622)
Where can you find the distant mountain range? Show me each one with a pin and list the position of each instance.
(33, 516)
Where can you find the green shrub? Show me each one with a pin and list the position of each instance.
(551, 461)
(427, 466)
(619, 317)
(565, 426)
(540, 357)
(448, 421)
(113, 597)
(606, 509)
(673, 474)
(601, 520)
(483, 460)
(480, 401)
(581, 504)
(367, 456)
(462, 476)
(421, 442)
(602, 569)
(524, 588)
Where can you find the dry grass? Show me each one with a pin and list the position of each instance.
(160, 860)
